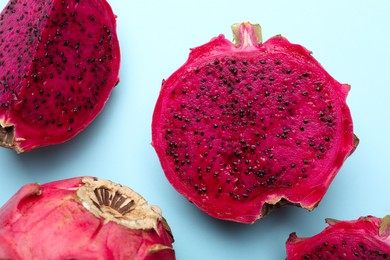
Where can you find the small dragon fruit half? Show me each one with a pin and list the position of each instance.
(242, 129)
(59, 61)
(366, 238)
(82, 218)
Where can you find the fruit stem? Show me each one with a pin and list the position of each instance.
(247, 35)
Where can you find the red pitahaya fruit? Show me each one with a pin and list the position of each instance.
(365, 238)
(82, 218)
(59, 61)
(242, 129)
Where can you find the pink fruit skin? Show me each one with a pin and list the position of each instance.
(172, 135)
(365, 238)
(58, 66)
(48, 222)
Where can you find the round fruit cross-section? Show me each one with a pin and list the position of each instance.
(240, 129)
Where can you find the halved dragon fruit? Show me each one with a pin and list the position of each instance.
(82, 218)
(365, 238)
(242, 129)
(59, 60)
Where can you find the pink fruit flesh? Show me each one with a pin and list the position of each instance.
(241, 129)
(82, 218)
(365, 238)
(59, 60)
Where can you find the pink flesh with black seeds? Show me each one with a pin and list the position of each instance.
(365, 238)
(241, 128)
(59, 60)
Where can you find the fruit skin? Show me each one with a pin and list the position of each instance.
(243, 129)
(57, 221)
(59, 61)
(365, 238)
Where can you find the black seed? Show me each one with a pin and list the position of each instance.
(233, 70)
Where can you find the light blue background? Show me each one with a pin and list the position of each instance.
(350, 39)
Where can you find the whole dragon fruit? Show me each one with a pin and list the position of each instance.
(242, 129)
(59, 61)
(365, 238)
(82, 218)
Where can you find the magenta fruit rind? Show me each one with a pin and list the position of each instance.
(241, 129)
(82, 218)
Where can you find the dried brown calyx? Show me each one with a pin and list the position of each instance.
(7, 136)
(113, 202)
(119, 204)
